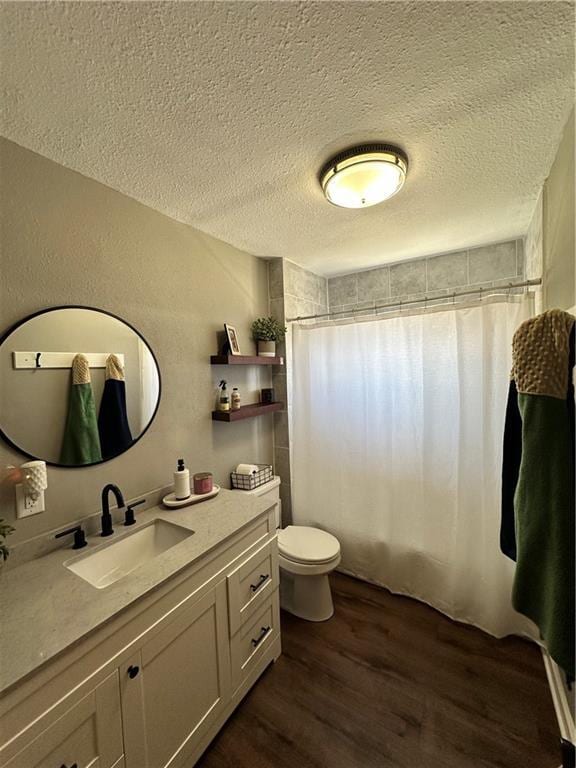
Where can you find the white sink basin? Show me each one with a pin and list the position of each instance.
(107, 565)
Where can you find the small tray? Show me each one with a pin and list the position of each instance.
(194, 498)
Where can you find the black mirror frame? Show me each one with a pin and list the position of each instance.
(11, 330)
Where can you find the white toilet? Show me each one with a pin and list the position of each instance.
(306, 557)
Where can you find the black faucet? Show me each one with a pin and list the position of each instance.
(107, 529)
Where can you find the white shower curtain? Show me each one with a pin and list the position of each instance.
(397, 427)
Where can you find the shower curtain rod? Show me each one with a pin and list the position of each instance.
(449, 297)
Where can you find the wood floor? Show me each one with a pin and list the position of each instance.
(388, 682)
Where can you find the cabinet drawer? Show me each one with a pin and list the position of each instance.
(88, 734)
(254, 638)
(251, 584)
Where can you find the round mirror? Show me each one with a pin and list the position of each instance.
(78, 386)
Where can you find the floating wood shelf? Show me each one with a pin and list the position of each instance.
(245, 360)
(247, 411)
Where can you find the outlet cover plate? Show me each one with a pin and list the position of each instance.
(24, 507)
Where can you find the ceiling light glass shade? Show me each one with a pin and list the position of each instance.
(364, 176)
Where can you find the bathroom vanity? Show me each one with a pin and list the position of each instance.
(141, 673)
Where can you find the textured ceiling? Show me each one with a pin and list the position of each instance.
(220, 114)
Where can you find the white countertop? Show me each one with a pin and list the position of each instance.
(45, 608)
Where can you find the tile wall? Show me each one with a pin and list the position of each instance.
(487, 267)
(294, 292)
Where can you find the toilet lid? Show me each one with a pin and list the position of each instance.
(302, 544)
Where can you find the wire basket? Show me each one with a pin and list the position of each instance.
(249, 482)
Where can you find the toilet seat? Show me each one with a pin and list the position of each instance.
(301, 544)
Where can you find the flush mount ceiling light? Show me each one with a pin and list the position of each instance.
(363, 176)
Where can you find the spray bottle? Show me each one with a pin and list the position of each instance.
(223, 398)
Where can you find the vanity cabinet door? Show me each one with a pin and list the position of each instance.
(176, 686)
(89, 734)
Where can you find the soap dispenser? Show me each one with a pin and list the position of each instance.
(181, 481)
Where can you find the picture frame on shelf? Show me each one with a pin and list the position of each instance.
(232, 338)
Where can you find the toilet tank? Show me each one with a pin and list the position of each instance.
(269, 491)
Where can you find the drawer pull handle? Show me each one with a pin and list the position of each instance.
(261, 581)
(133, 671)
(264, 631)
(75, 765)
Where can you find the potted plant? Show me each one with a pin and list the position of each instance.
(266, 331)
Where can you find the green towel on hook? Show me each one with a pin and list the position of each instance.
(81, 442)
(539, 476)
(544, 581)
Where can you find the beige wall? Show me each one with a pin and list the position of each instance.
(558, 226)
(67, 239)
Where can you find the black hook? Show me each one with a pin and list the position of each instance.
(38, 359)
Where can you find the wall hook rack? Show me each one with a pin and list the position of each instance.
(21, 360)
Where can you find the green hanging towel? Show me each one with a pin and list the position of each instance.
(81, 442)
(541, 480)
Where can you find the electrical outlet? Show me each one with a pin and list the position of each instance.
(26, 506)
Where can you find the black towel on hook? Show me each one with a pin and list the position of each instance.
(113, 427)
(510, 471)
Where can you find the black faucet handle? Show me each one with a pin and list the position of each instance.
(129, 518)
(79, 536)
